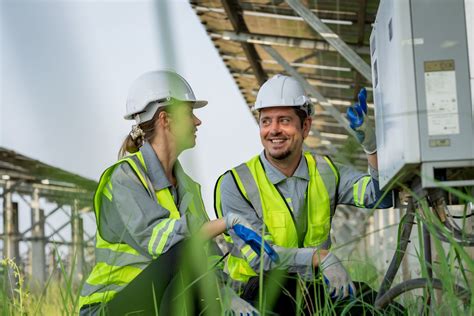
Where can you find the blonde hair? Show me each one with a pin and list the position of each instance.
(141, 133)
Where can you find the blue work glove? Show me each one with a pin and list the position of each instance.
(254, 240)
(361, 124)
(336, 277)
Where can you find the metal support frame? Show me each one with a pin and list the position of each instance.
(77, 247)
(314, 80)
(234, 12)
(309, 89)
(284, 41)
(10, 235)
(332, 38)
(361, 16)
(10, 226)
(57, 230)
(38, 256)
(33, 225)
(296, 63)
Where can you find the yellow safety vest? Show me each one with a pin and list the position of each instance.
(277, 215)
(108, 278)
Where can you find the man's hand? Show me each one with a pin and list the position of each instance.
(361, 124)
(318, 256)
(336, 277)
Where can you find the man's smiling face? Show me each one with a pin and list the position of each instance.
(282, 133)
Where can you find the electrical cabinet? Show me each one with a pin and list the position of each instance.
(422, 70)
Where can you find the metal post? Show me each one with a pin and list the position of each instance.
(10, 225)
(77, 248)
(10, 242)
(38, 256)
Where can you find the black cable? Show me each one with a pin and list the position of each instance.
(381, 302)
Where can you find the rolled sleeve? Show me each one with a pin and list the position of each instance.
(361, 189)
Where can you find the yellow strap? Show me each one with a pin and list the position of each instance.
(239, 183)
(100, 243)
(107, 193)
(156, 230)
(102, 273)
(166, 200)
(164, 239)
(101, 297)
(217, 197)
(333, 168)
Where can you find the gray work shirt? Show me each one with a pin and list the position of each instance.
(132, 214)
(293, 189)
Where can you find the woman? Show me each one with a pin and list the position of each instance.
(145, 204)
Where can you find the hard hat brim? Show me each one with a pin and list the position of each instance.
(199, 104)
(194, 104)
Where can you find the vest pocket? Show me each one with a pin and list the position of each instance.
(318, 233)
(277, 219)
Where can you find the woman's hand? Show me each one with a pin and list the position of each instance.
(212, 228)
(218, 226)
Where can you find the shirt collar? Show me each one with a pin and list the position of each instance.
(154, 168)
(276, 176)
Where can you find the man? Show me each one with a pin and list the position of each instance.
(290, 196)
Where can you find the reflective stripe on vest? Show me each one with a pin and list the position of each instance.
(255, 187)
(118, 263)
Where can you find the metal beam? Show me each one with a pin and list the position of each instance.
(38, 256)
(333, 16)
(234, 12)
(332, 38)
(286, 41)
(35, 224)
(279, 16)
(10, 226)
(314, 80)
(310, 89)
(77, 248)
(10, 240)
(57, 230)
(296, 64)
(360, 40)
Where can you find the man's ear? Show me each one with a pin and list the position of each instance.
(308, 121)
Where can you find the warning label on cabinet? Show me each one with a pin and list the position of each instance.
(441, 98)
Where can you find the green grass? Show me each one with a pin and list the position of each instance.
(453, 265)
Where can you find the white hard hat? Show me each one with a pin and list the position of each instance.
(156, 89)
(281, 90)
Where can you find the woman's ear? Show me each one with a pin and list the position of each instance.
(163, 119)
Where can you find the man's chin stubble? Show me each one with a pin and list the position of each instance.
(281, 156)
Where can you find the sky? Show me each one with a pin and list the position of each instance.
(66, 67)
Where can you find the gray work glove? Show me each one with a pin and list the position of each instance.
(361, 124)
(336, 277)
(234, 305)
(232, 219)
